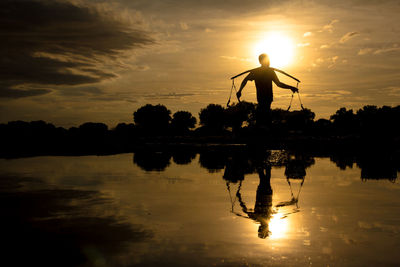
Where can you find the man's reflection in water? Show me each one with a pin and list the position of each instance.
(241, 164)
(263, 206)
(295, 170)
(235, 170)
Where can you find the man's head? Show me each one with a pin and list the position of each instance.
(264, 59)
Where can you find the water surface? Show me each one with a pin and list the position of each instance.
(217, 208)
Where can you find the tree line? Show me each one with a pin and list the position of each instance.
(236, 122)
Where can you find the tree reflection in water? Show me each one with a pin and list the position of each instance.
(374, 164)
(239, 162)
(149, 160)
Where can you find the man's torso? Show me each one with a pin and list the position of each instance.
(263, 77)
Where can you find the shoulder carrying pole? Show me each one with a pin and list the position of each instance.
(278, 70)
(284, 73)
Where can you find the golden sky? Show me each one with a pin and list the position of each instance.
(68, 62)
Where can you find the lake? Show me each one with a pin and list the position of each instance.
(213, 208)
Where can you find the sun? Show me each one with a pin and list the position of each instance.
(278, 46)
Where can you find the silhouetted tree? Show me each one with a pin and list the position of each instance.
(279, 115)
(236, 115)
(153, 119)
(344, 120)
(322, 127)
(213, 116)
(374, 121)
(93, 129)
(124, 134)
(369, 119)
(378, 127)
(91, 136)
(300, 119)
(124, 129)
(182, 121)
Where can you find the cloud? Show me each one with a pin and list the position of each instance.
(329, 27)
(394, 48)
(307, 34)
(184, 26)
(364, 51)
(329, 61)
(303, 44)
(394, 91)
(329, 94)
(58, 43)
(348, 36)
(324, 46)
(167, 95)
(236, 58)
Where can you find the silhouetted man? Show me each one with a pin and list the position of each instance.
(263, 77)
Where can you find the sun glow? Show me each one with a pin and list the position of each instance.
(278, 47)
(278, 227)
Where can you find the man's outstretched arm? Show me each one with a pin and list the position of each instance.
(242, 85)
(284, 85)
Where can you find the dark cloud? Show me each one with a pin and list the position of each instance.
(60, 43)
(172, 8)
(80, 91)
(235, 7)
(18, 93)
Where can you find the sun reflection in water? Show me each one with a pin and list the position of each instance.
(278, 226)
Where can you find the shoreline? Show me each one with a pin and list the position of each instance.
(307, 144)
